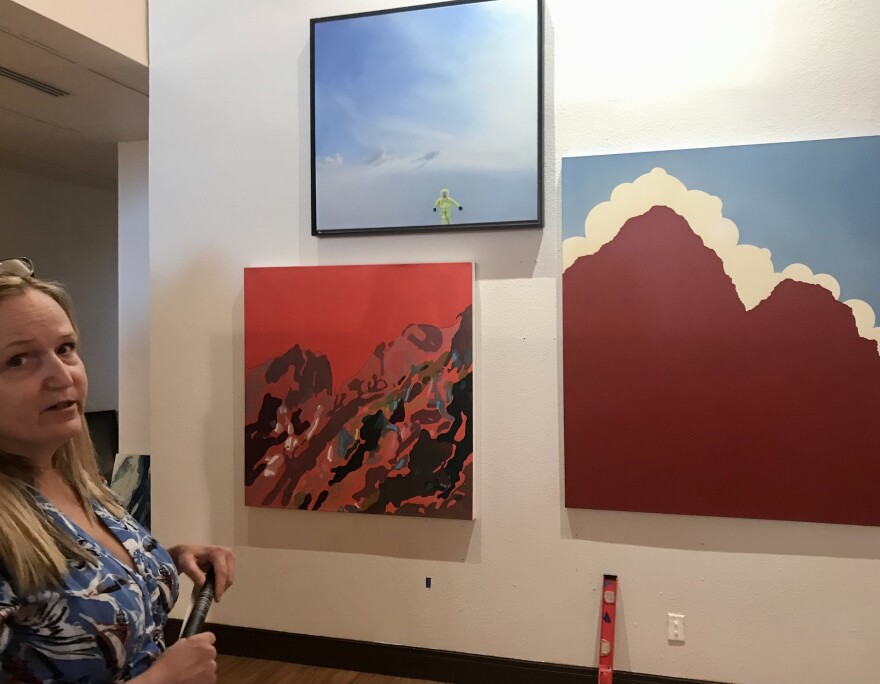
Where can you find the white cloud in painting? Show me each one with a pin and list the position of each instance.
(750, 268)
(865, 319)
(802, 273)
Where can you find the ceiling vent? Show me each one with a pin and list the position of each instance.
(32, 82)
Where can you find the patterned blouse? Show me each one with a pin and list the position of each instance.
(103, 625)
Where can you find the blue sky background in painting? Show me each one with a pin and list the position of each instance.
(815, 202)
(407, 103)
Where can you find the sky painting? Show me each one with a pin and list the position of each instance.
(410, 103)
(813, 202)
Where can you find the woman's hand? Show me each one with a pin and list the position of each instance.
(188, 661)
(194, 559)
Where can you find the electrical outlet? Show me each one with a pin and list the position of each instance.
(675, 627)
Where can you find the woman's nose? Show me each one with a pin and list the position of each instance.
(58, 373)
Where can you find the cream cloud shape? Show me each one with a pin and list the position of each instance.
(749, 267)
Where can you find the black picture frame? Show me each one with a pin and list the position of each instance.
(354, 64)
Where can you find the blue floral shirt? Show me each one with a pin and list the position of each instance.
(103, 625)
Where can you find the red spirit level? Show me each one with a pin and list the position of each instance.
(606, 629)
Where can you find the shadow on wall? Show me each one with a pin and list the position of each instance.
(377, 535)
(726, 535)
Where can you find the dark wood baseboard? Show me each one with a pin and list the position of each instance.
(404, 661)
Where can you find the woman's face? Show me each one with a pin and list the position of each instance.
(43, 382)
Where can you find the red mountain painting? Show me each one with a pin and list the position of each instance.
(679, 400)
(359, 389)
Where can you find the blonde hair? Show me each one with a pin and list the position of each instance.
(33, 549)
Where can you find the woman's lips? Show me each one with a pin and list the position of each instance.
(62, 405)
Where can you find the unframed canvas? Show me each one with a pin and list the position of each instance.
(720, 355)
(359, 389)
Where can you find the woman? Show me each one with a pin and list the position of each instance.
(84, 590)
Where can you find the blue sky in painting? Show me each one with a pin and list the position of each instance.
(407, 103)
(815, 202)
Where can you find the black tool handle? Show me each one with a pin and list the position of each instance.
(195, 623)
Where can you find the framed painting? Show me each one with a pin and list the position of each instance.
(359, 389)
(428, 118)
(720, 348)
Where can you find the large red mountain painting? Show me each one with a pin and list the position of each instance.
(680, 399)
(359, 389)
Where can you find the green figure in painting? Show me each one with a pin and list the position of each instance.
(445, 203)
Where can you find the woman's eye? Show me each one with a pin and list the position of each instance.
(67, 348)
(15, 361)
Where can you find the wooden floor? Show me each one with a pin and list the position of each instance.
(235, 670)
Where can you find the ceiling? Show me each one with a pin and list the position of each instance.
(73, 136)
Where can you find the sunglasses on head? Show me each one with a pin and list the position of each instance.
(20, 266)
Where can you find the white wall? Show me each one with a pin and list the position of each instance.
(134, 299)
(766, 602)
(119, 24)
(69, 232)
